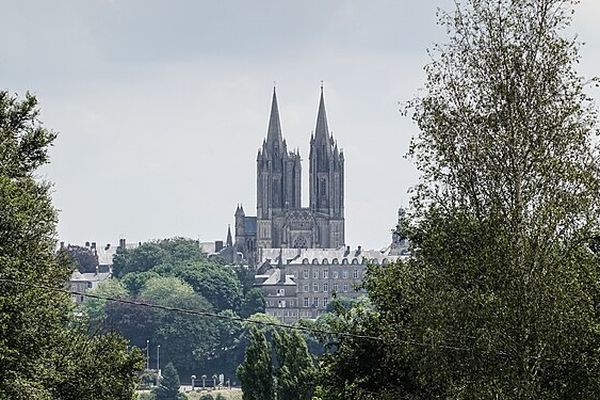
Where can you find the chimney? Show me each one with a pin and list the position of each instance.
(87, 244)
(93, 245)
(62, 245)
(218, 245)
(122, 244)
(358, 251)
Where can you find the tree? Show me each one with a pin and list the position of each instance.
(254, 302)
(499, 298)
(140, 259)
(256, 372)
(84, 257)
(506, 209)
(94, 308)
(218, 284)
(295, 373)
(168, 389)
(37, 327)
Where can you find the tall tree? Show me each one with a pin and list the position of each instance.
(256, 372)
(500, 298)
(295, 372)
(37, 354)
(507, 207)
(168, 389)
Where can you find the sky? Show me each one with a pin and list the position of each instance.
(161, 106)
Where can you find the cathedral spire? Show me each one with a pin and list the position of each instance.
(274, 130)
(322, 130)
(229, 240)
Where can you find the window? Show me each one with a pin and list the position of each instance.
(306, 302)
(316, 302)
(281, 304)
(325, 274)
(335, 275)
(315, 274)
(335, 287)
(295, 274)
(315, 287)
(345, 274)
(280, 292)
(325, 301)
(345, 287)
(355, 274)
(325, 287)
(305, 274)
(306, 288)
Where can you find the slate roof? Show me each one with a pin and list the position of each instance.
(326, 256)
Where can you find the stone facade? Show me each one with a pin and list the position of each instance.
(300, 283)
(281, 221)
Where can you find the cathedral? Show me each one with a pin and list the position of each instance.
(281, 221)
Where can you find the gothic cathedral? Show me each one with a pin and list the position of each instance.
(281, 221)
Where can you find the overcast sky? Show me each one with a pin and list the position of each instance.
(161, 105)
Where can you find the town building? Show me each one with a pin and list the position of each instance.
(300, 283)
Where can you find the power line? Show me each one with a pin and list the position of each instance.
(194, 312)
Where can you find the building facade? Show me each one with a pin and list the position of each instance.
(281, 221)
(300, 283)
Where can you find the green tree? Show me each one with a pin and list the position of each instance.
(37, 327)
(218, 284)
(140, 259)
(94, 308)
(168, 389)
(135, 281)
(499, 299)
(295, 371)
(84, 257)
(256, 372)
(254, 302)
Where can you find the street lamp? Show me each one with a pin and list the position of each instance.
(147, 354)
(158, 359)
(214, 381)
(193, 379)
(203, 382)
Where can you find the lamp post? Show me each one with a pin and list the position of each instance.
(203, 382)
(147, 354)
(193, 379)
(158, 359)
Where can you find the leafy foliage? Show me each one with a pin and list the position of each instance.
(499, 299)
(43, 352)
(256, 372)
(84, 258)
(168, 389)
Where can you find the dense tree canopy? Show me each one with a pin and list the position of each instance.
(175, 273)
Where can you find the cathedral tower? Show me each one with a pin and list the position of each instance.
(326, 183)
(278, 181)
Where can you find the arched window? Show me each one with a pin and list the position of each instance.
(315, 261)
(344, 261)
(335, 261)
